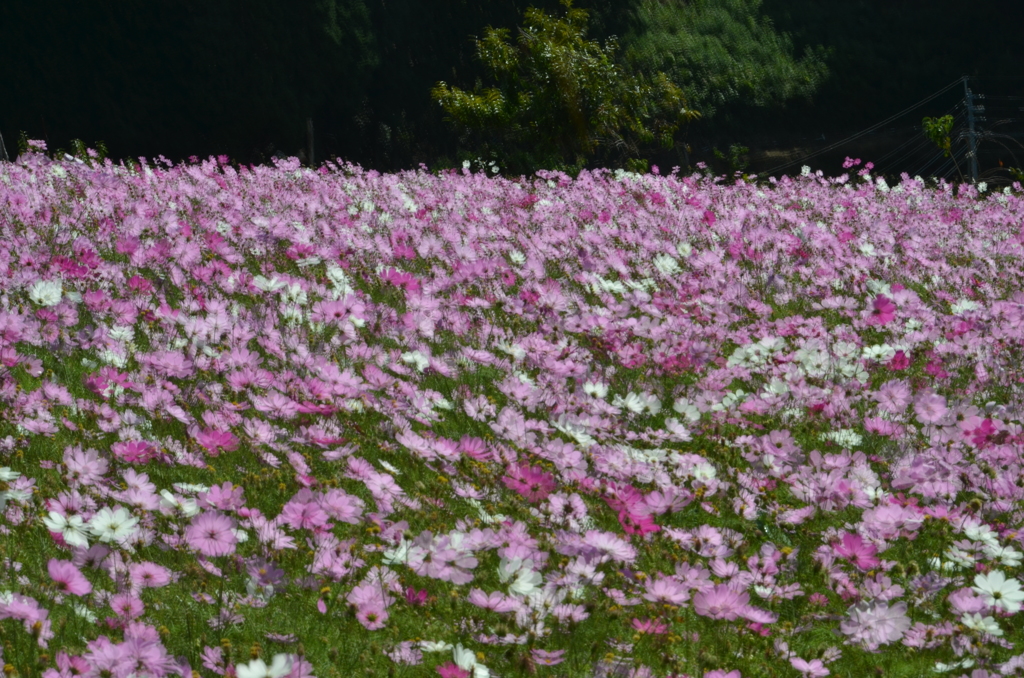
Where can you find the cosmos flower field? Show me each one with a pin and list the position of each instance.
(271, 421)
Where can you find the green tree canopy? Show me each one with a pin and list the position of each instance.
(718, 52)
(560, 97)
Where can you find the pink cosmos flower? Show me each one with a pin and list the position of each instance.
(277, 405)
(215, 441)
(493, 601)
(545, 658)
(303, 516)
(894, 396)
(372, 617)
(652, 626)
(68, 577)
(641, 524)
(134, 451)
(665, 590)
(149, 575)
(857, 551)
(226, 497)
(451, 670)
(127, 606)
(211, 535)
(721, 602)
(815, 668)
(171, 363)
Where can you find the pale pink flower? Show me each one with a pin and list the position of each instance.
(875, 623)
(149, 575)
(930, 408)
(815, 668)
(721, 602)
(211, 535)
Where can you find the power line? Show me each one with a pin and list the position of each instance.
(921, 143)
(956, 82)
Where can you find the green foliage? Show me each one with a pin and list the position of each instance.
(81, 152)
(737, 157)
(718, 53)
(938, 130)
(560, 98)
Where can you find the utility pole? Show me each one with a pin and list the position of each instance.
(971, 135)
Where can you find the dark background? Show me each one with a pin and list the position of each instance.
(238, 78)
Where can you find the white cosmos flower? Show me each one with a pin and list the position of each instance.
(72, 528)
(960, 557)
(845, 437)
(975, 530)
(595, 389)
(507, 567)
(632, 402)
(389, 467)
(882, 353)
(703, 472)
(188, 507)
(999, 591)
(257, 668)
(946, 668)
(297, 294)
(415, 357)
(963, 305)
(46, 292)
(666, 264)
(687, 409)
(84, 612)
(121, 333)
(116, 525)
(466, 660)
(435, 646)
(513, 350)
(984, 625)
(844, 350)
(7, 474)
(1006, 555)
(527, 581)
(399, 554)
(652, 402)
(271, 285)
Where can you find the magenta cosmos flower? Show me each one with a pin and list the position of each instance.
(531, 482)
(211, 535)
(883, 310)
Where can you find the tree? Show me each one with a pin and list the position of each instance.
(560, 98)
(718, 53)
